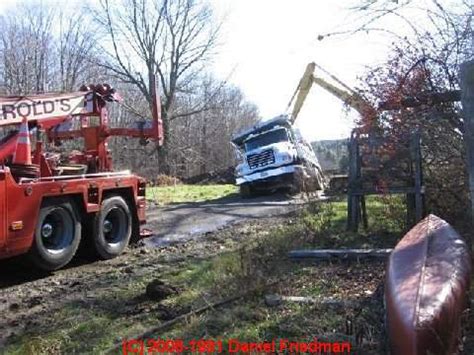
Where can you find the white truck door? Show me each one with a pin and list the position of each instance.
(3, 216)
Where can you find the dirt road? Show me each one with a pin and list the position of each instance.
(174, 223)
(34, 303)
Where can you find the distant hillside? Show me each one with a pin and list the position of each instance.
(332, 154)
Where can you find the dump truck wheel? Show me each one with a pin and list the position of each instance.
(246, 191)
(112, 228)
(57, 235)
(319, 180)
(297, 184)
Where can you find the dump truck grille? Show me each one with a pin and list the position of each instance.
(258, 160)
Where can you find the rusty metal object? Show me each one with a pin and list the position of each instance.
(426, 289)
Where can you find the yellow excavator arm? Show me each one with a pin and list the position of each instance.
(302, 90)
(345, 94)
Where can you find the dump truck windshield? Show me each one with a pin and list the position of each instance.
(275, 136)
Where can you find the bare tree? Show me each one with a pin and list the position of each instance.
(43, 50)
(199, 143)
(76, 48)
(26, 48)
(171, 39)
(204, 140)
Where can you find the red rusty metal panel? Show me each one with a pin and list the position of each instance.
(426, 290)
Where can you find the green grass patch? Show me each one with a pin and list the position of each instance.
(188, 193)
(324, 224)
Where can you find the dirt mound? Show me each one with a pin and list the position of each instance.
(223, 176)
(158, 290)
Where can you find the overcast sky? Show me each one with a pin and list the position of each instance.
(266, 45)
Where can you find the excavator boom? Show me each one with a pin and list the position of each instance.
(345, 94)
(302, 91)
(354, 100)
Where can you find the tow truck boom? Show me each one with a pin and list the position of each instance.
(54, 114)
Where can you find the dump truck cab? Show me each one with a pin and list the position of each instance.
(273, 154)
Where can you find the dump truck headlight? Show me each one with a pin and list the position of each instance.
(239, 170)
(286, 157)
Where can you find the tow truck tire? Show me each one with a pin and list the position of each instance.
(57, 235)
(112, 228)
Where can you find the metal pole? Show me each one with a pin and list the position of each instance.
(467, 99)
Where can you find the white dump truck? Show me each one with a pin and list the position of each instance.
(273, 154)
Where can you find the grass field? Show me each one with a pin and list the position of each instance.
(188, 193)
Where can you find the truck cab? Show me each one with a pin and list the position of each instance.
(273, 154)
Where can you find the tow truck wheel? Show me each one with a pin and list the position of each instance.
(112, 228)
(57, 235)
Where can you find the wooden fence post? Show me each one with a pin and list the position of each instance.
(418, 177)
(353, 204)
(467, 99)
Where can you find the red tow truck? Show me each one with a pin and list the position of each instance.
(50, 204)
